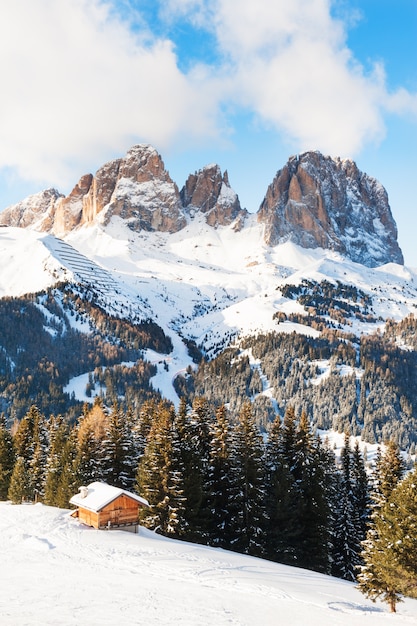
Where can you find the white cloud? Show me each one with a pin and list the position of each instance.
(289, 63)
(76, 82)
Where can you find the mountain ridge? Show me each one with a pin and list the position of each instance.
(315, 201)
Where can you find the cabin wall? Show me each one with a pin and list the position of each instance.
(88, 517)
(122, 511)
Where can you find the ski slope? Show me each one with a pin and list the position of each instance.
(57, 572)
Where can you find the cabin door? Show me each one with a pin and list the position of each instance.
(115, 517)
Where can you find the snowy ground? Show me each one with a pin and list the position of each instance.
(57, 572)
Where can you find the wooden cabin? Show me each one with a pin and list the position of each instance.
(105, 507)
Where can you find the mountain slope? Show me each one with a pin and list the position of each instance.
(60, 572)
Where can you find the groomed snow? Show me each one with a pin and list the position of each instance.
(57, 572)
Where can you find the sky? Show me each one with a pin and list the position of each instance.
(240, 83)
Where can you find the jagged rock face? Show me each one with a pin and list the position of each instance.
(138, 189)
(209, 191)
(317, 201)
(38, 209)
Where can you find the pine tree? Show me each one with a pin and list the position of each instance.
(7, 458)
(31, 444)
(20, 489)
(361, 495)
(389, 469)
(67, 484)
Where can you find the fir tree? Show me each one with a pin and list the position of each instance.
(249, 523)
(281, 505)
(378, 575)
(152, 478)
(221, 488)
(88, 464)
(345, 534)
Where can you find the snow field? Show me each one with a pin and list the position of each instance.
(56, 572)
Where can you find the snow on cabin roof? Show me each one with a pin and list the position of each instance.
(100, 494)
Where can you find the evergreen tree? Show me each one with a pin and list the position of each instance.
(67, 484)
(7, 458)
(153, 474)
(281, 502)
(118, 454)
(345, 537)
(31, 444)
(361, 495)
(377, 576)
(249, 523)
(20, 489)
(37, 464)
(221, 487)
(390, 561)
(389, 469)
(58, 434)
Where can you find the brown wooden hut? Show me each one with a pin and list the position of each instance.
(103, 506)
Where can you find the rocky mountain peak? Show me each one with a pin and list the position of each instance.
(319, 201)
(209, 191)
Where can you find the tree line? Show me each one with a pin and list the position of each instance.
(214, 479)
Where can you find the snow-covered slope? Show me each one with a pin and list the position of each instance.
(204, 284)
(55, 571)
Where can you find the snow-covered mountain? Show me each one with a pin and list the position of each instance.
(202, 268)
(57, 571)
(314, 201)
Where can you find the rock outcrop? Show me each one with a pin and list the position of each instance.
(136, 187)
(37, 210)
(209, 192)
(318, 201)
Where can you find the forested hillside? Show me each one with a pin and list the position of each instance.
(50, 337)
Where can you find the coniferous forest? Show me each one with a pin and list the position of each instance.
(215, 479)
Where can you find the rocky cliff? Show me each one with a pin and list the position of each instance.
(136, 187)
(209, 191)
(318, 201)
(314, 200)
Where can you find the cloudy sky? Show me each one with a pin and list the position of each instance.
(242, 83)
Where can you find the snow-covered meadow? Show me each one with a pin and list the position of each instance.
(57, 572)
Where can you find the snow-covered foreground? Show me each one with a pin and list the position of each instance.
(57, 572)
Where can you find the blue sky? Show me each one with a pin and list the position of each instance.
(241, 83)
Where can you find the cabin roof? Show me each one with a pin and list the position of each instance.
(100, 495)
